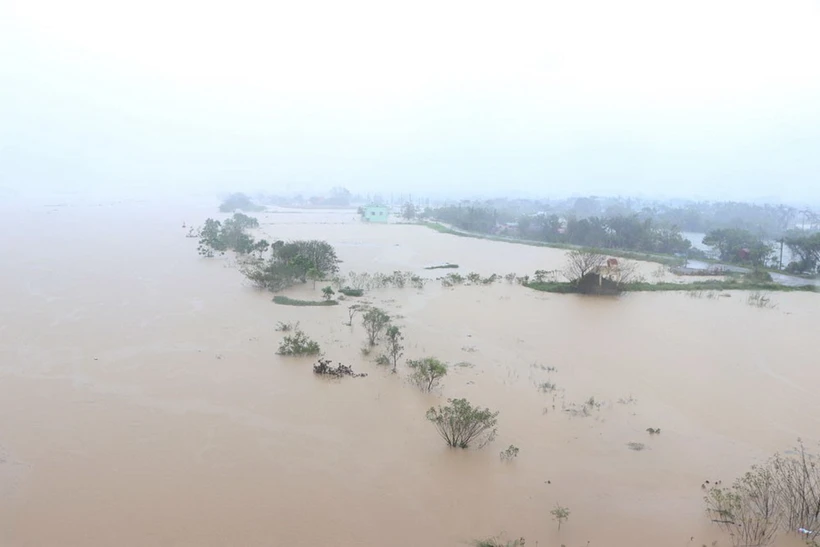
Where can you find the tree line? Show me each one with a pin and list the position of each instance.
(743, 247)
(769, 221)
(638, 233)
(627, 232)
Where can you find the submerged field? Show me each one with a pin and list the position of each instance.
(142, 401)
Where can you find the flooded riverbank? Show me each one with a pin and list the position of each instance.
(142, 401)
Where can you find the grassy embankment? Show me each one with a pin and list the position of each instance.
(288, 301)
(643, 286)
(668, 260)
(665, 259)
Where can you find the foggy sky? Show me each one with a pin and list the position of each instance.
(703, 98)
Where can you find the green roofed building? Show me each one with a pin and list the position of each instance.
(375, 213)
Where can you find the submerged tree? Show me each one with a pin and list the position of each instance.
(314, 275)
(560, 514)
(328, 292)
(581, 263)
(216, 236)
(806, 249)
(741, 246)
(460, 424)
(290, 263)
(298, 344)
(374, 321)
(239, 202)
(394, 348)
(210, 239)
(427, 372)
(351, 313)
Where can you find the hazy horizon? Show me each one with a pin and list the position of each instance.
(707, 100)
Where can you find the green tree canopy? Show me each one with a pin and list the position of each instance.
(739, 246)
(806, 249)
(290, 262)
(239, 202)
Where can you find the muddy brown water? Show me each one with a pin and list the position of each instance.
(142, 403)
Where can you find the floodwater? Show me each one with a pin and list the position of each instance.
(142, 402)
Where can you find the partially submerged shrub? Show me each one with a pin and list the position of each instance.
(398, 279)
(758, 299)
(286, 327)
(347, 291)
(797, 478)
(547, 387)
(748, 510)
(653, 430)
(298, 343)
(498, 542)
(510, 453)
(417, 282)
(784, 492)
(757, 276)
(327, 293)
(546, 276)
(288, 301)
(324, 367)
(427, 372)
(460, 424)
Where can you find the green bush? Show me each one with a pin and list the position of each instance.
(427, 372)
(460, 424)
(498, 542)
(298, 344)
(327, 293)
(286, 327)
(758, 276)
(292, 262)
(347, 291)
(288, 301)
